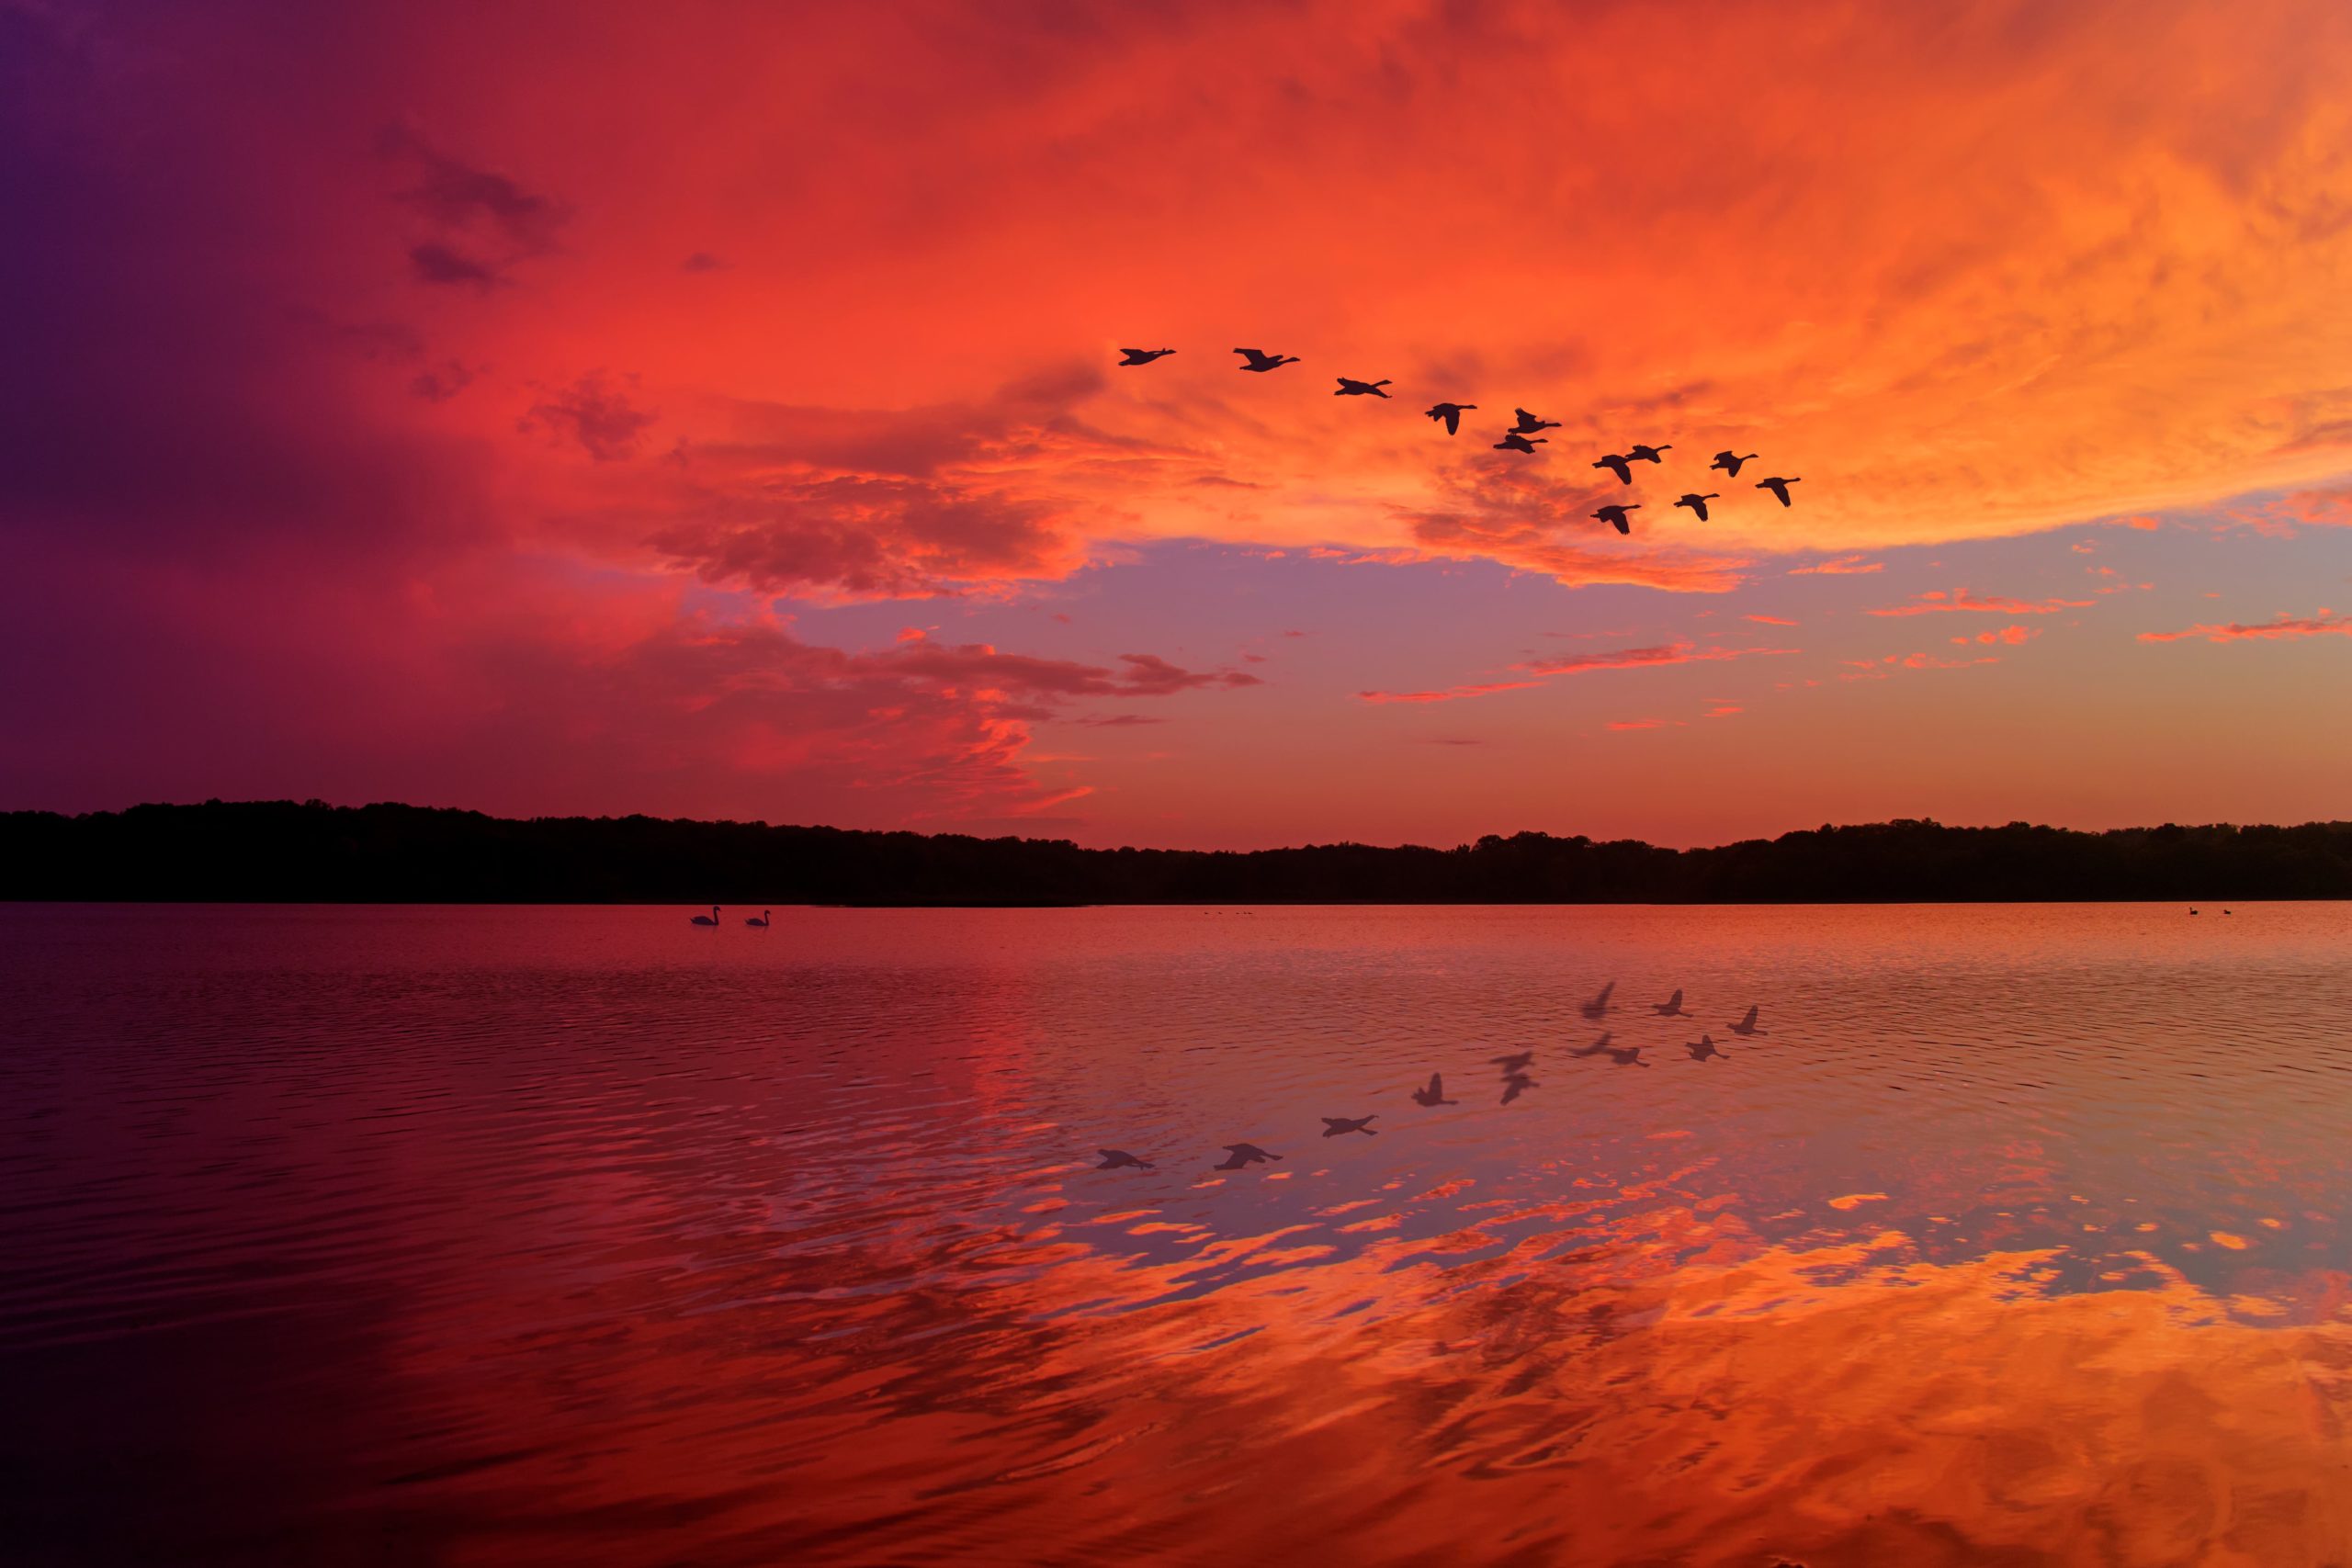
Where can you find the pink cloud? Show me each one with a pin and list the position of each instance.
(1638, 724)
(1577, 664)
(1962, 601)
(2327, 623)
(1842, 566)
(1768, 620)
(1449, 694)
(2010, 635)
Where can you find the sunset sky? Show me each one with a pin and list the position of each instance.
(712, 409)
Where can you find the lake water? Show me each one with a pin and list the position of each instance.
(582, 1236)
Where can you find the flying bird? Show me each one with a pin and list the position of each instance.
(1614, 515)
(1623, 469)
(1335, 1125)
(1513, 441)
(1238, 1156)
(1435, 1093)
(1529, 424)
(1451, 414)
(1649, 454)
(709, 919)
(1702, 1048)
(1747, 1025)
(1778, 487)
(1261, 361)
(1517, 1062)
(1729, 461)
(1671, 1007)
(1119, 1160)
(1144, 355)
(1698, 503)
(1516, 1085)
(1598, 1005)
(1627, 1055)
(1597, 1047)
(1352, 389)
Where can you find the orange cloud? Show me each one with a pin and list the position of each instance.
(1768, 620)
(1844, 565)
(1937, 603)
(2327, 623)
(1577, 664)
(2010, 635)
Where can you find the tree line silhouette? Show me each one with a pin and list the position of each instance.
(313, 852)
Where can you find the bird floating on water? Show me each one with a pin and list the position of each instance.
(1729, 461)
(1513, 441)
(1614, 515)
(1747, 1025)
(1450, 414)
(1434, 1094)
(1144, 355)
(709, 919)
(1698, 503)
(1702, 1048)
(1238, 1156)
(1350, 388)
(761, 920)
(1335, 1125)
(1618, 465)
(1119, 1160)
(1779, 487)
(1262, 361)
(1671, 1007)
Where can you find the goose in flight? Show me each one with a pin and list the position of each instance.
(1598, 1005)
(1262, 361)
(1614, 515)
(1517, 1062)
(1452, 415)
(1778, 487)
(1350, 388)
(1623, 470)
(1702, 1048)
(1698, 503)
(1335, 1125)
(1597, 1047)
(1516, 1085)
(1144, 355)
(1513, 441)
(1119, 1160)
(1729, 462)
(709, 919)
(762, 919)
(1648, 454)
(1435, 1093)
(1239, 1155)
(1529, 424)
(1671, 1007)
(1747, 1025)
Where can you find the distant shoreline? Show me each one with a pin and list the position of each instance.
(285, 852)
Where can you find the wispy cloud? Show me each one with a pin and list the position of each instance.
(2327, 623)
(1577, 664)
(1841, 565)
(1963, 602)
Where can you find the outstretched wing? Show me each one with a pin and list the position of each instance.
(1453, 422)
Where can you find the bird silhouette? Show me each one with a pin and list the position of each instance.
(1238, 1155)
(1529, 424)
(1435, 1093)
(1597, 1047)
(1598, 1005)
(1729, 461)
(1649, 454)
(1518, 1061)
(1517, 1084)
(1671, 1007)
(761, 920)
(1614, 515)
(1747, 1025)
(1352, 389)
(1119, 1160)
(1618, 466)
(1778, 487)
(1702, 1048)
(709, 919)
(1513, 441)
(1261, 361)
(1450, 414)
(1144, 355)
(1627, 1055)
(1698, 503)
(1335, 1125)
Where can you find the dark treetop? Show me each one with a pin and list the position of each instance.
(278, 850)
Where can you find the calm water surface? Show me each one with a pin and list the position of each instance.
(581, 1236)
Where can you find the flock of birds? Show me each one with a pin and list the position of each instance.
(1515, 1082)
(1522, 438)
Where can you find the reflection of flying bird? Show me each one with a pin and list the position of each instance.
(1259, 360)
(1516, 1085)
(1702, 1048)
(1627, 1057)
(1144, 355)
(1450, 414)
(1435, 1093)
(1614, 515)
(1513, 441)
(1729, 461)
(1529, 424)
(1335, 1125)
(1119, 1160)
(1648, 454)
(709, 919)
(761, 920)
(1623, 470)
(1698, 503)
(1778, 487)
(1238, 1156)
(1747, 1025)
(1597, 1047)
(1598, 1005)
(1354, 388)
(1671, 1007)
(1516, 1062)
